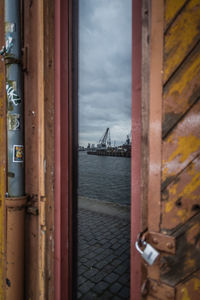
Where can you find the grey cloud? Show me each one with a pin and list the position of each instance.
(104, 69)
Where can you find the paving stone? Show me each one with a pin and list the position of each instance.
(101, 264)
(81, 270)
(91, 273)
(100, 287)
(98, 277)
(124, 293)
(116, 298)
(107, 296)
(121, 269)
(79, 295)
(115, 287)
(112, 277)
(81, 280)
(103, 252)
(124, 279)
(86, 286)
(116, 262)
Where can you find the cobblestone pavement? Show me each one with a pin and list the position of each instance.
(103, 256)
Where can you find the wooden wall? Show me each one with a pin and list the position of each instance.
(180, 206)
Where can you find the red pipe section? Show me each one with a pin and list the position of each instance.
(62, 144)
(57, 220)
(136, 148)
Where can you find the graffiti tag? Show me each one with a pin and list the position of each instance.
(12, 95)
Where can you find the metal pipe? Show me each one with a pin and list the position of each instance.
(15, 212)
(15, 138)
(15, 201)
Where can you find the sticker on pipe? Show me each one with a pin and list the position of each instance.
(18, 153)
(10, 27)
(14, 122)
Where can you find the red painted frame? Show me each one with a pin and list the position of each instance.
(136, 163)
(63, 143)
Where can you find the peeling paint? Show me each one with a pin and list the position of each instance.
(181, 37)
(185, 294)
(186, 145)
(196, 284)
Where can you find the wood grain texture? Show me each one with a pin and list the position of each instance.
(49, 52)
(155, 114)
(34, 140)
(171, 9)
(2, 159)
(145, 109)
(181, 146)
(181, 199)
(177, 268)
(190, 289)
(181, 37)
(181, 91)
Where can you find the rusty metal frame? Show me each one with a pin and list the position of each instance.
(155, 114)
(136, 147)
(63, 149)
(2, 160)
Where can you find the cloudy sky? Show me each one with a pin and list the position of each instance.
(104, 69)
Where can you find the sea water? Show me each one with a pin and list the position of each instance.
(104, 178)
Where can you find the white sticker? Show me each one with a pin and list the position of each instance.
(18, 153)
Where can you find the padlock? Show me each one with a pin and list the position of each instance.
(149, 254)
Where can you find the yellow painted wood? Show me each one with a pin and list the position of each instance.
(178, 93)
(181, 196)
(181, 37)
(182, 91)
(189, 290)
(182, 145)
(171, 9)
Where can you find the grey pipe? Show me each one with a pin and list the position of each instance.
(14, 88)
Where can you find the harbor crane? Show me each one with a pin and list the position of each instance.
(105, 140)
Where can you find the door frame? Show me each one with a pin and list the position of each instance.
(64, 148)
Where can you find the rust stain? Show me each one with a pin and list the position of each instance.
(180, 200)
(193, 235)
(190, 263)
(182, 145)
(2, 190)
(181, 37)
(189, 288)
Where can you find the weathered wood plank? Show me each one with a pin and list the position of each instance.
(145, 108)
(171, 9)
(181, 37)
(2, 159)
(31, 145)
(189, 289)
(177, 268)
(49, 142)
(181, 146)
(182, 91)
(181, 199)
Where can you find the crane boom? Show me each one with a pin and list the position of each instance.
(105, 139)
